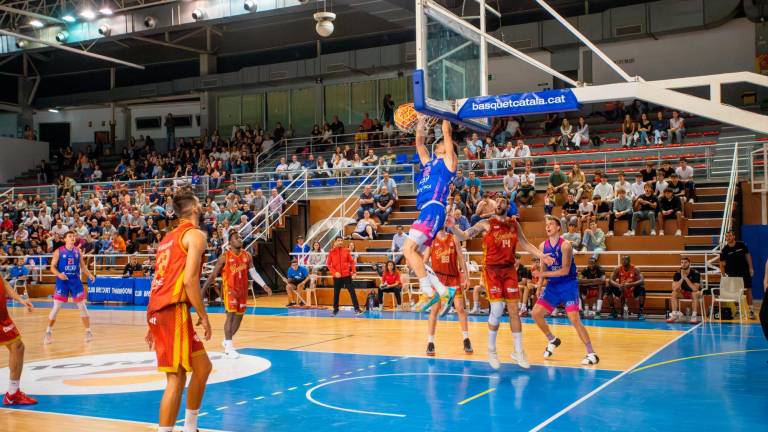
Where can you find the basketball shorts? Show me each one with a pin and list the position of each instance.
(564, 293)
(431, 220)
(175, 339)
(9, 333)
(611, 290)
(235, 299)
(449, 280)
(592, 292)
(501, 283)
(72, 287)
(634, 292)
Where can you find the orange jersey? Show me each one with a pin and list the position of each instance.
(444, 256)
(500, 242)
(168, 284)
(627, 276)
(235, 271)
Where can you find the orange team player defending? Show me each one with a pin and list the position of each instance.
(502, 234)
(451, 269)
(66, 264)
(175, 288)
(235, 266)
(11, 338)
(562, 289)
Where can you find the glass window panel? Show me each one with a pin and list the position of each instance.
(337, 102)
(277, 109)
(363, 101)
(303, 110)
(228, 114)
(253, 110)
(394, 87)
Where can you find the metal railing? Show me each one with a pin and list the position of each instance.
(727, 221)
(758, 173)
(46, 192)
(200, 184)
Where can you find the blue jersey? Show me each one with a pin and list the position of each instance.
(556, 252)
(434, 182)
(69, 262)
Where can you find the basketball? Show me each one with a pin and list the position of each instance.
(406, 118)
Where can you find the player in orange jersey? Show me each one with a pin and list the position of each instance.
(502, 234)
(234, 265)
(176, 288)
(11, 339)
(449, 266)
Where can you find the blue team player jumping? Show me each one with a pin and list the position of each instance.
(432, 191)
(562, 288)
(66, 264)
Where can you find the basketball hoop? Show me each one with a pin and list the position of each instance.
(407, 118)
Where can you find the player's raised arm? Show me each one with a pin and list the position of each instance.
(450, 157)
(421, 139)
(472, 232)
(215, 273)
(462, 262)
(195, 242)
(531, 249)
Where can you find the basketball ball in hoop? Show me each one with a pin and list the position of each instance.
(407, 118)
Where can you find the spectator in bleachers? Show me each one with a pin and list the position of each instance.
(389, 158)
(485, 208)
(677, 187)
(390, 283)
(645, 208)
(323, 170)
(604, 190)
(551, 122)
(558, 182)
(622, 210)
(630, 283)
(310, 164)
(337, 126)
(602, 209)
(586, 213)
(566, 135)
(628, 131)
(396, 249)
(474, 148)
(366, 201)
(473, 199)
(7, 224)
(281, 169)
(19, 272)
(622, 183)
(581, 136)
(549, 201)
(508, 154)
(461, 221)
(473, 180)
(645, 128)
(300, 250)
(685, 174)
(649, 172)
(659, 127)
(371, 159)
(366, 227)
(593, 279)
(573, 235)
(275, 205)
(670, 207)
(294, 168)
(676, 130)
(460, 182)
(522, 150)
(660, 185)
(389, 182)
(577, 183)
(593, 239)
(491, 156)
(388, 108)
(358, 166)
(527, 193)
(569, 212)
(686, 284)
(666, 169)
(384, 204)
(511, 184)
(638, 187)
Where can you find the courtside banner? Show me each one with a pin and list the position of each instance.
(519, 103)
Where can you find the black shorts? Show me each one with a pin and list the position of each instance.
(612, 291)
(635, 292)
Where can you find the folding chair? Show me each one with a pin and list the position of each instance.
(701, 305)
(21, 283)
(731, 291)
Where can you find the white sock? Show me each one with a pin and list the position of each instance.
(227, 345)
(492, 340)
(465, 334)
(190, 420)
(437, 285)
(599, 305)
(518, 339)
(165, 429)
(426, 286)
(88, 329)
(431, 338)
(48, 329)
(13, 386)
(523, 307)
(693, 314)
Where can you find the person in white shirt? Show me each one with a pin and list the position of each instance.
(60, 228)
(511, 183)
(676, 128)
(638, 187)
(604, 189)
(322, 167)
(294, 168)
(522, 150)
(508, 154)
(281, 168)
(622, 184)
(685, 174)
(660, 185)
(581, 137)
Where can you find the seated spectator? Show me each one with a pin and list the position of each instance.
(622, 210)
(685, 174)
(622, 183)
(676, 130)
(628, 131)
(551, 122)
(602, 210)
(549, 201)
(645, 208)
(19, 272)
(474, 181)
(629, 283)
(294, 168)
(300, 251)
(566, 134)
(315, 263)
(586, 213)
(491, 156)
(670, 207)
(390, 283)
(322, 168)
(461, 221)
(686, 284)
(649, 172)
(366, 227)
(666, 169)
(388, 132)
(659, 186)
(581, 136)
(527, 193)
(396, 249)
(511, 184)
(569, 212)
(389, 158)
(508, 154)
(593, 240)
(131, 267)
(644, 128)
(591, 285)
(384, 204)
(460, 182)
(389, 182)
(297, 277)
(310, 164)
(366, 201)
(485, 208)
(7, 224)
(522, 151)
(573, 236)
(282, 168)
(371, 159)
(638, 187)
(604, 190)
(473, 199)
(275, 205)
(660, 127)
(577, 182)
(559, 183)
(473, 149)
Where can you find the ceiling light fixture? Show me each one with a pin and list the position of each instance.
(21, 43)
(105, 11)
(36, 23)
(324, 26)
(105, 30)
(62, 36)
(68, 17)
(198, 14)
(53, 110)
(88, 14)
(150, 22)
(250, 6)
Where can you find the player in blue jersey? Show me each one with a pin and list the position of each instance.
(562, 288)
(437, 173)
(66, 265)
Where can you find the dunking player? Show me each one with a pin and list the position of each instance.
(66, 264)
(11, 339)
(562, 288)
(235, 264)
(502, 235)
(451, 269)
(432, 190)
(175, 288)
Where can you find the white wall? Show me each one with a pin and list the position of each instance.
(511, 75)
(727, 48)
(161, 110)
(20, 155)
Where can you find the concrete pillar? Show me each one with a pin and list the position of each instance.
(208, 113)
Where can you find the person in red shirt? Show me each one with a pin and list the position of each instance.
(6, 224)
(343, 268)
(391, 283)
(11, 339)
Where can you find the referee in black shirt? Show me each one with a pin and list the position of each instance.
(735, 261)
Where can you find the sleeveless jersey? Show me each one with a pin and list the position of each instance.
(3, 306)
(235, 271)
(433, 185)
(627, 276)
(556, 252)
(69, 262)
(499, 243)
(445, 256)
(168, 283)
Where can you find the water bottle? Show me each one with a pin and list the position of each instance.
(626, 311)
(688, 312)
